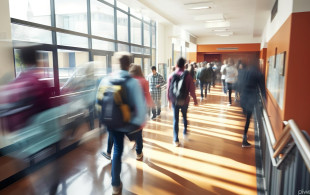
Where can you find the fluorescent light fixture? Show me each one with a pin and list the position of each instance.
(215, 20)
(219, 30)
(224, 35)
(217, 24)
(199, 5)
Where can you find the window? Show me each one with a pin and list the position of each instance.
(37, 11)
(122, 6)
(138, 61)
(135, 49)
(100, 65)
(123, 47)
(110, 1)
(72, 40)
(136, 36)
(71, 15)
(30, 34)
(103, 45)
(154, 36)
(136, 13)
(147, 35)
(102, 19)
(154, 57)
(68, 65)
(147, 66)
(122, 26)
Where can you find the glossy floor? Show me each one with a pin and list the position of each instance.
(212, 161)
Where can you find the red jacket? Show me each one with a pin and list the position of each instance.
(145, 86)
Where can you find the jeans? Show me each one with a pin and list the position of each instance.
(224, 86)
(158, 106)
(176, 109)
(110, 143)
(229, 87)
(139, 143)
(118, 138)
(207, 85)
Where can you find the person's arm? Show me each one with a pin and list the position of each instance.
(168, 86)
(148, 97)
(161, 80)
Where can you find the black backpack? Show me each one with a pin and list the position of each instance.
(177, 89)
(115, 110)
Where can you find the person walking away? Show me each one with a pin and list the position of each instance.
(192, 72)
(180, 85)
(231, 74)
(136, 72)
(132, 108)
(206, 77)
(240, 81)
(155, 80)
(223, 77)
(253, 81)
(214, 68)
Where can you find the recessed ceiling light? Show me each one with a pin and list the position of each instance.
(199, 5)
(224, 35)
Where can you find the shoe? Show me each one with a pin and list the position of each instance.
(117, 189)
(246, 144)
(106, 155)
(139, 156)
(185, 136)
(153, 117)
(228, 104)
(176, 144)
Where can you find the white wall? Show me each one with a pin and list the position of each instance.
(7, 72)
(228, 40)
(301, 6)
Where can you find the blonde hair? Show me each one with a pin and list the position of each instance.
(135, 70)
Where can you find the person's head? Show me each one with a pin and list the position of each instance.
(180, 63)
(153, 69)
(173, 69)
(240, 66)
(135, 71)
(124, 60)
(225, 62)
(28, 56)
(230, 62)
(208, 65)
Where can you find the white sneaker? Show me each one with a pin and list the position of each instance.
(176, 144)
(228, 104)
(139, 156)
(117, 189)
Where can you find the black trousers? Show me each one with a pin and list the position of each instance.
(247, 123)
(230, 88)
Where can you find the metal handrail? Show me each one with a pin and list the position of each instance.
(275, 147)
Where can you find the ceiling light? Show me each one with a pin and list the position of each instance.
(219, 30)
(199, 5)
(215, 21)
(209, 17)
(217, 24)
(224, 35)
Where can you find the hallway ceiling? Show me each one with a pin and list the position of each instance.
(244, 17)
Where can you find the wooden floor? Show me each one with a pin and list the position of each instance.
(211, 162)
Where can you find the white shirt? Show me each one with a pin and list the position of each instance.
(222, 71)
(231, 74)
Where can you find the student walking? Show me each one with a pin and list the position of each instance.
(180, 85)
(231, 74)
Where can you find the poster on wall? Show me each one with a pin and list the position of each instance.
(281, 63)
(275, 81)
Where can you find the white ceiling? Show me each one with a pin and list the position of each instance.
(246, 17)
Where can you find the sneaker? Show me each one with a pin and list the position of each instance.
(246, 144)
(176, 144)
(106, 155)
(153, 117)
(139, 156)
(117, 189)
(228, 104)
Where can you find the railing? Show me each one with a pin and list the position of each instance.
(286, 161)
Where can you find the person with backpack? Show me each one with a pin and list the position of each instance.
(180, 85)
(123, 112)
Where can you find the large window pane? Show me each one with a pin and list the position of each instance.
(102, 19)
(72, 40)
(44, 65)
(100, 65)
(135, 49)
(68, 63)
(37, 11)
(122, 47)
(109, 1)
(122, 26)
(103, 45)
(153, 57)
(138, 61)
(147, 35)
(71, 15)
(136, 13)
(147, 66)
(147, 51)
(122, 6)
(135, 31)
(25, 33)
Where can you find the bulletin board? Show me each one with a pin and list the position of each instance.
(276, 77)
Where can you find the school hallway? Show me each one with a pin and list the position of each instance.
(212, 161)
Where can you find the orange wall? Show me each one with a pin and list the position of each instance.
(192, 57)
(241, 48)
(297, 101)
(263, 57)
(281, 41)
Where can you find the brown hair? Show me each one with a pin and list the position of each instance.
(135, 70)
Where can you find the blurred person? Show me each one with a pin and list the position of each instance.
(214, 68)
(192, 72)
(253, 79)
(206, 76)
(134, 103)
(231, 74)
(223, 77)
(180, 85)
(155, 80)
(240, 81)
